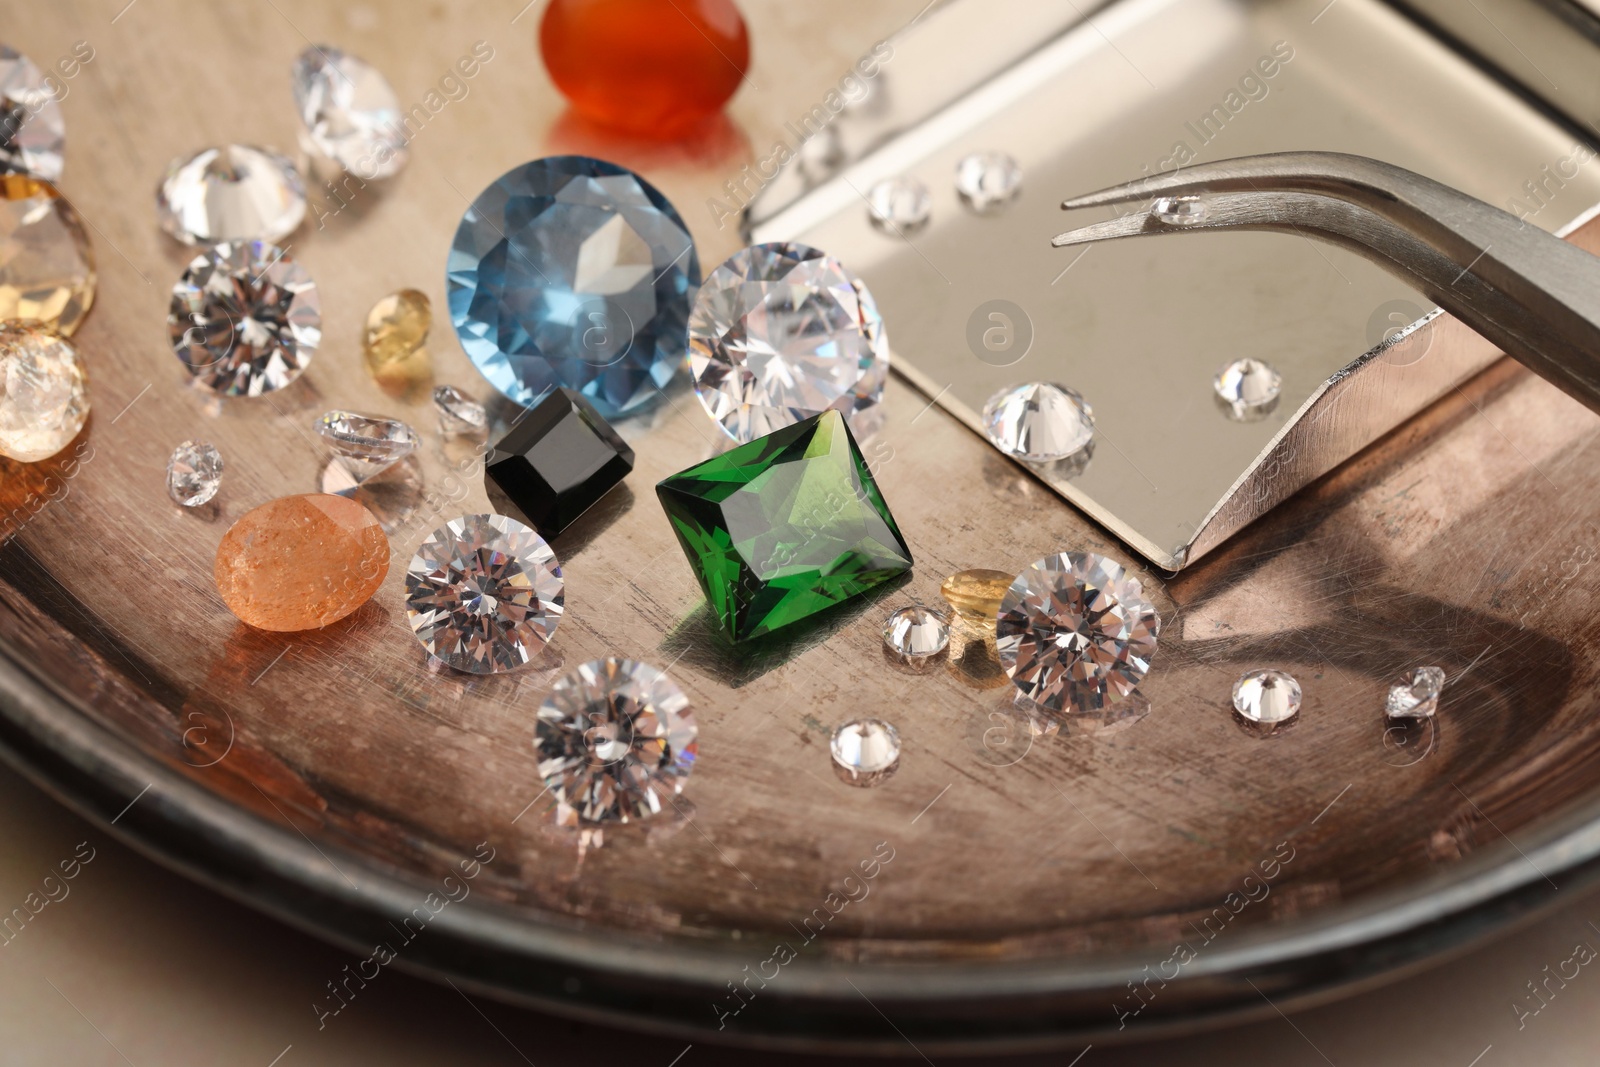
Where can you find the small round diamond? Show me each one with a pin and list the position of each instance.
(245, 319)
(866, 751)
(899, 205)
(34, 138)
(46, 262)
(1247, 389)
(988, 181)
(367, 438)
(44, 395)
(484, 594)
(781, 332)
(1266, 696)
(1075, 632)
(615, 740)
(916, 634)
(1041, 422)
(194, 473)
(459, 414)
(350, 112)
(232, 193)
(1420, 699)
(1179, 210)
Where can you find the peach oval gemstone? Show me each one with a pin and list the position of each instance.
(301, 562)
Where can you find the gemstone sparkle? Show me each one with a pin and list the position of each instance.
(245, 319)
(1266, 696)
(194, 473)
(32, 132)
(899, 205)
(350, 113)
(46, 262)
(988, 181)
(916, 634)
(1419, 699)
(44, 394)
(459, 414)
(1040, 422)
(370, 439)
(231, 193)
(1247, 389)
(866, 751)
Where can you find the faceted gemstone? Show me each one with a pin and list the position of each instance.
(648, 68)
(301, 562)
(865, 750)
(558, 460)
(784, 527)
(245, 319)
(988, 181)
(615, 741)
(899, 205)
(459, 414)
(782, 332)
(350, 113)
(916, 634)
(1420, 699)
(392, 342)
(1247, 389)
(1041, 422)
(232, 193)
(194, 473)
(1179, 210)
(44, 394)
(391, 492)
(484, 594)
(367, 438)
(32, 133)
(1075, 632)
(1266, 696)
(976, 594)
(46, 262)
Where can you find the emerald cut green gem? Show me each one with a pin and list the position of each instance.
(785, 526)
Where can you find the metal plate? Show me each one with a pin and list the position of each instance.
(330, 779)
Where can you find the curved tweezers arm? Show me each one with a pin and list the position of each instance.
(1533, 295)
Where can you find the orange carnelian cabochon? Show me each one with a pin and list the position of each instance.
(301, 562)
(652, 67)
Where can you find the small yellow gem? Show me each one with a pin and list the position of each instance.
(46, 265)
(976, 594)
(393, 340)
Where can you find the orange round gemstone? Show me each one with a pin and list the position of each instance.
(652, 67)
(301, 562)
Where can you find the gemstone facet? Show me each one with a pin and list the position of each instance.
(484, 594)
(781, 332)
(1266, 696)
(1040, 422)
(899, 205)
(245, 319)
(350, 113)
(784, 527)
(194, 473)
(459, 414)
(32, 132)
(1247, 389)
(916, 634)
(232, 193)
(1075, 632)
(392, 341)
(558, 461)
(988, 181)
(367, 438)
(615, 741)
(301, 562)
(46, 262)
(44, 394)
(1420, 699)
(573, 271)
(866, 751)
(1179, 210)
(976, 594)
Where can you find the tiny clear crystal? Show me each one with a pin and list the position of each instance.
(368, 438)
(459, 414)
(1420, 699)
(32, 132)
(350, 112)
(916, 633)
(988, 181)
(194, 473)
(865, 750)
(232, 193)
(1040, 421)
(899, 205)
(1266, 696)
(1179, 210)
(1247, 388)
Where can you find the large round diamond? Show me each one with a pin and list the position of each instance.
(1075, 632)
(782, 332)
(32, 133)
(484, 594)
(245, 318)
(573, 271)
(350, 112)
(615, 740)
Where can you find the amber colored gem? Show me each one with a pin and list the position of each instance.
(652, 67)
(976, 594)
(301, 562)
(392, 342)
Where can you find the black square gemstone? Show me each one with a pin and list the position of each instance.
(558, 460)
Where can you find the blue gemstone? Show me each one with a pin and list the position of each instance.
(571, 271)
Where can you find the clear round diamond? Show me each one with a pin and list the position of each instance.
(1040, 421)
(459, 414)
(350, 112)
(1420, 699)
(1178, 210)
(232, 193)
(915, 634)
(32, 132)
(1247, 388)
(46, 263)
(1266, 696)
(866, 750)
(367, 438)
(781, 332)
(899, 205)
(194, 473)
(44, 394)
(245, 319)
(988, 181)
(484, 594)
(616, 741)
(1075, 632)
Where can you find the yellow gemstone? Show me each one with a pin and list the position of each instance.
(46, 264)
(976, 594)
(393, 340)
(44, 395)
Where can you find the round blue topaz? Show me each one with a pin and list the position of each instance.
(571, 271)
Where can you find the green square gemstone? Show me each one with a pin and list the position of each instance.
(785, 526)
